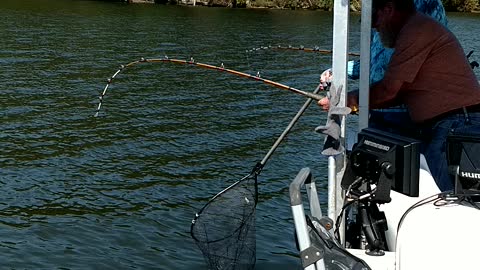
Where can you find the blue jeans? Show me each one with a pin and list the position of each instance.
(395, 121)
(435, 149)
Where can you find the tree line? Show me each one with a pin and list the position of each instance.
(327, 5)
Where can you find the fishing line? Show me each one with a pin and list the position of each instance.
(192, 62)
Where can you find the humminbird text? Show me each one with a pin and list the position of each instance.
(470, 175)
(377, 145)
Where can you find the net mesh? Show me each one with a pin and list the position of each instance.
(224, 229)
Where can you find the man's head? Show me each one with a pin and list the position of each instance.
(388, 18)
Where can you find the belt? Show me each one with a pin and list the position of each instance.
(463, 111)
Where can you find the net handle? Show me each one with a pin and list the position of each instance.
(259, 166)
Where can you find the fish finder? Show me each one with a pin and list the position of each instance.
(463, 156)
(386, 161)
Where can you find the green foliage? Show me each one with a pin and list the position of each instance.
(355, 5)
(293, 4)
(461, 5)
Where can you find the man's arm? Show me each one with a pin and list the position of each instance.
(381, 95)
(384, 94)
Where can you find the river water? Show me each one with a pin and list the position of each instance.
(119, 191)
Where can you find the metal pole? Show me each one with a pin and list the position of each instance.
(339, 68)
(331, 188)
(366, 35)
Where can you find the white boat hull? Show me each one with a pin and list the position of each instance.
(443, 236)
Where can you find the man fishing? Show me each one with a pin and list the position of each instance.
(380, 57)
(429, 74)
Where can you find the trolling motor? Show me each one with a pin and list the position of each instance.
(379, 162)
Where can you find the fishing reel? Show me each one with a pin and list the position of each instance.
(473, 64)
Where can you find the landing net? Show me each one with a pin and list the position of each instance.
(224, 229)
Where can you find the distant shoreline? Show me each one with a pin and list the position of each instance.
(323, 5)
(469, 6)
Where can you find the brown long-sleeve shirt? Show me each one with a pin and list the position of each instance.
(428, 72)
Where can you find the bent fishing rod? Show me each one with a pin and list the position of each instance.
(220, 68)
(299, 48)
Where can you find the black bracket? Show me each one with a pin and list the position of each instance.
(310, 256)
